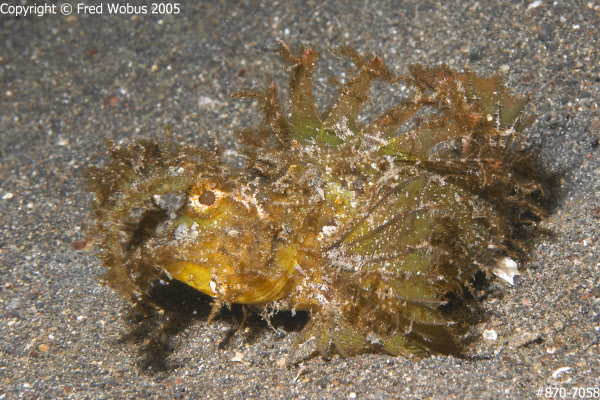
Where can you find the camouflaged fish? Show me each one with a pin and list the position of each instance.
(372, 228)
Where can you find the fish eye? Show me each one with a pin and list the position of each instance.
(207, 198)
(204, 196)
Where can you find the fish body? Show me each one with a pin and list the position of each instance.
(372, 228)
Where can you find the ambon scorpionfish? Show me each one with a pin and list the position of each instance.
(371, 227)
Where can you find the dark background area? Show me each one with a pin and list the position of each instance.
(68, 82)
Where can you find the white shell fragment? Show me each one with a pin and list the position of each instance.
(535, 4)
(560, 371)
(506, 268)
(490, 334)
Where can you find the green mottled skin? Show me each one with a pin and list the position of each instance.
(368, 227)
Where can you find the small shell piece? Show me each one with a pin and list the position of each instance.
(506, 269)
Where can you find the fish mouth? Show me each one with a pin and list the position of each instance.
(240, 284)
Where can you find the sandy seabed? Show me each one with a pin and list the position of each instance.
(67, 82)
